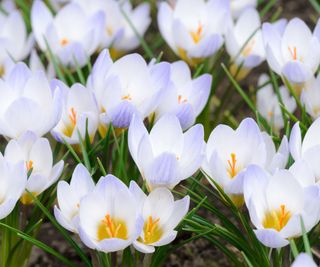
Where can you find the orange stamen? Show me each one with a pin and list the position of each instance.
(232, 165)
(180, 100)
(151, 224)
(73, 117)
(197, 35)
(126, 97)
(293, 53)
(64, 41)
(29, 165)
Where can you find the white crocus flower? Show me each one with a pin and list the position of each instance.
(71, 35)
(304, 260)
(69, 197)
(118, 34)
(36, 154)
(308, 149)
(79, 115)
(293, 54)
(161, 215)
(194, 28)
(127, 86)
(229, 152)
(244, 43)
(28, 103)
(13, 179)
(166, 156)
(277, 204)
(238, 6)
(185, 97)
(310, 97)
(35, 64)
(14, 41)
(268, 102)
(110, 218)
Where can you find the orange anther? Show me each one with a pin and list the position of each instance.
(232, 165)
(293, 52)
(73, 117)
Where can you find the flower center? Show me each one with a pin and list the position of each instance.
(2, 71)
(152, 231)
(232, 166)
(112, 228)
(69, 127)
(197, 35)
(64, 41)
(181, 99)
(109, 30)
(277, 219)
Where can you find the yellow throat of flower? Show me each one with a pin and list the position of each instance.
(112, 228)
(277, 219)
(151, 230)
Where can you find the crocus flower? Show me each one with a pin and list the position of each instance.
(28, 103)
(79, 115)
(244, 43)
(110, 219)
(293, 54)
(69, 197)
(166, 156)
(238, 6)
(118, 35)
(127, 86)
(15, 41)
(161, 215)
(304, 260)
(13, 179)
(268, 102)
(308, 149)
(193, 28)
(276, 205)
(36, 154)
(310, 97)
(185, 97)
(229, 152)
(71, 35)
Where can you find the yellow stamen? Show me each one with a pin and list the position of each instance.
(112, 228)
(197, 35)
(109, 30)
(232, 166)
(277, 219)
(152, 231)
(2, 71)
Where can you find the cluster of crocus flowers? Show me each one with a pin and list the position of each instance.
(109, 216)
(166, 155)
(268, 102)
(190, 28)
